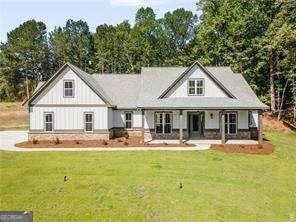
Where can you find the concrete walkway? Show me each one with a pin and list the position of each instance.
(9, 138)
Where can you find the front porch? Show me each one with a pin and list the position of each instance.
(202, 126)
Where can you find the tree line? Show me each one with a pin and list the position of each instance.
(256, 38)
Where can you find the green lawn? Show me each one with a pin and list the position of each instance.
(144, 186)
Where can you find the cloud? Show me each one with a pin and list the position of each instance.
(138, 3)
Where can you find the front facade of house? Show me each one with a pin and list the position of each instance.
(160, 103)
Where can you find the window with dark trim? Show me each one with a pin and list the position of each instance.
(163, 122)
(128, 120)
(196, 87)
(88, 122)
(250, 118)
(230, 123)
(69, 88)
(48, 122)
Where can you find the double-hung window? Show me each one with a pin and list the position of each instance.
(48, 122)
(163, 122)
(69, 88)
(128, 120)
(230, 123)
(88, 122)
(196, 87)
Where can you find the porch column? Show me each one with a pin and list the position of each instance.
(143, 125)
(260, 126)
(181, 126)
(222, 122)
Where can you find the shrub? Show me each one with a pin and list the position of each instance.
(35, 141)
(57, 140)
(125, 143)
(104, 142)
(77, 142)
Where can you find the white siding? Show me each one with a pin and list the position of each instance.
(110, 118)
(149, 119)
(119, 118)
(212, 123)
(68, 118)
(255, 117)
(54, 94)
(211, 88)
(137, 119)
(243, 121)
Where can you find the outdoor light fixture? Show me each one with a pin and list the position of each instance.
(212, 116)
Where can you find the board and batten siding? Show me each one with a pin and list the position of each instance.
(68, 118)
(69, 112)
(211, 89)
(119, 118)
(54, 94)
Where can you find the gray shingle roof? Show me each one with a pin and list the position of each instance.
(143, 90)
(154, 81)
(122, 88)
(95, 85)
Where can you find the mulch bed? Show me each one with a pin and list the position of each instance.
(118, 142)
(264, 149)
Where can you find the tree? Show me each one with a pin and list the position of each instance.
(179, 27)
(25, 56)
(149, 38)
(282, 36)
(72, 43)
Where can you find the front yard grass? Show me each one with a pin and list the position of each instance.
(145, 186)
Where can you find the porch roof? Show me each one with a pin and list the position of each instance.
(201, 103)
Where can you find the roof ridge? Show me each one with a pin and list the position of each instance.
(117, 74)
(164, 67)
(218, 66)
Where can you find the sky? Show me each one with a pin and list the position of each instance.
(56, 12)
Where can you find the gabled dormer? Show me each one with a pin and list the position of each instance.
(196, 81)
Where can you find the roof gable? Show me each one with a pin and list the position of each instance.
(86, 78)
(181, 78)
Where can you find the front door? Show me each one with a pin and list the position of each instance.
(195, 124)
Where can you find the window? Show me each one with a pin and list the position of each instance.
(48, 122)
(69, 88)
(191, 87)
(163, 122)
(196, 87)
(128, 120)
(250, 118)
(88, 122)
(230, 123)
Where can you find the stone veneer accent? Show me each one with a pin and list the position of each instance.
(254, 133)
(242, 134)
(211, 134)
(151, 135)
(68, 136)
(121, 132)
(215, 134)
